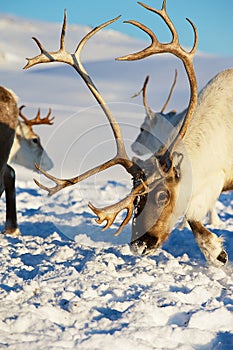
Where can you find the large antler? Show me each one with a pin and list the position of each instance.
(174, 48)
(75, 61)
(37, 120)
(107, 213)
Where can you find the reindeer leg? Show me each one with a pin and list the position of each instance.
(209, 243)
(11, 226)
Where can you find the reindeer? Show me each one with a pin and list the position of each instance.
(27, 149)
(8, 124)
(188, 175)
(17, 145)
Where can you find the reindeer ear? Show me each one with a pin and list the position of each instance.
(153, 119)
(177, 159)
(172, 113)
(150, 114)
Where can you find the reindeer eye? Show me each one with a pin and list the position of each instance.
(141, 129)
(162, 198)
(35, 140)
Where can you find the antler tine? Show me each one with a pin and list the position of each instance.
(195, 43)
(110, 213)
(46, 120)
(22, 115)
(52, 190)
(143, 87)
(149, 112)
(145, 52)
(63, 32)
(170, 93)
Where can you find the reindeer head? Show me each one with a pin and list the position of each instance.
(27, 149)
(156, 212)
(153, 199)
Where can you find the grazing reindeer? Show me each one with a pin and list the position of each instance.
(8, 124)
(188, 175)
(27, 149)
(17, 145)
(201, 151)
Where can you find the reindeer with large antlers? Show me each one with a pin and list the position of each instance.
(27, 149)
(189, 174)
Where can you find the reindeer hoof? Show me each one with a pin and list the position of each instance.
(223, 257)
(13, 232)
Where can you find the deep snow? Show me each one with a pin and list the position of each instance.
(65, 284)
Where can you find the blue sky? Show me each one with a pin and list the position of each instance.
(213, 18)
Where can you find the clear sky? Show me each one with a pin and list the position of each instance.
(213, 18)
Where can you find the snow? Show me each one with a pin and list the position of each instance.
(64, 284)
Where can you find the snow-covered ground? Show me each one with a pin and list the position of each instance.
(64, 284)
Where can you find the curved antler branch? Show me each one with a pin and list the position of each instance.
(195, 44)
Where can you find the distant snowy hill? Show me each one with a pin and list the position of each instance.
(60, 87)
(64, 284)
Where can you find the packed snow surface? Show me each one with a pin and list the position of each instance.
(64, 284)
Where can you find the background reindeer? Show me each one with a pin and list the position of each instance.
(158, 130)
(18, 144)
(188, 176)
(8, 123)
(27, 149)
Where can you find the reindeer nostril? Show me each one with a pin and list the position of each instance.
(144, 245)
(138, 248)
(144, 250)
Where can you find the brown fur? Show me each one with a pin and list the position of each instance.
(228, 186)
(8, 123)
(8, 109)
